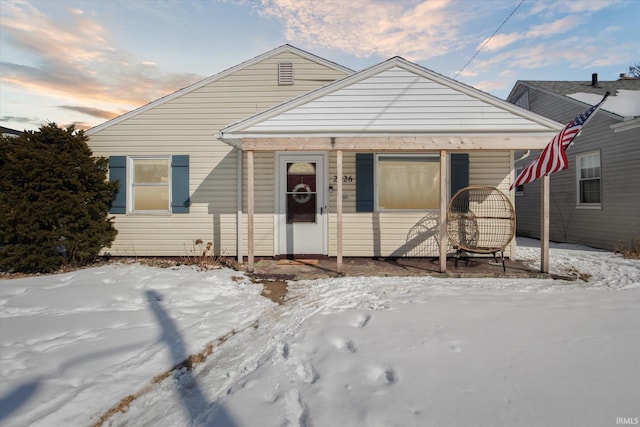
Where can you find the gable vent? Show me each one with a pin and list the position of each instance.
(285, 73)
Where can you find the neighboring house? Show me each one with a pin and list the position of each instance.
(12, 133)
(361, 166)
(596, 201)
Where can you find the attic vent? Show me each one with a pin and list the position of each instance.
(285, 73)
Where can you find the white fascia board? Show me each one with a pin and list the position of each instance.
(626, 125)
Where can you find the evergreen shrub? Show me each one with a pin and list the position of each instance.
(54, 201)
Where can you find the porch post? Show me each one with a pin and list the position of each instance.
(239, 206)
(443, 211)
(339, 211)
(250, 209)
(544, 225)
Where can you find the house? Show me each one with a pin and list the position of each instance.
(10, 133)
(289, 154)
(178, 183)
(595, 202)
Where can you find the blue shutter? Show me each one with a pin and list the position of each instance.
(364, 182)
(118, 172)
(459, 172)
(180, 201)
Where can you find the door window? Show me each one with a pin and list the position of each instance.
(302, 198)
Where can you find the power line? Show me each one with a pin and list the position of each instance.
(489, 39)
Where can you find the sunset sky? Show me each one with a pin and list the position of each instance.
(84, 62)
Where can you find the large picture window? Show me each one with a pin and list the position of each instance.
(150, 184)
(588, 168)
(406, 182)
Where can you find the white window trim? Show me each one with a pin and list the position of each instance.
(409, 155)
(579, 204)
(130, 172)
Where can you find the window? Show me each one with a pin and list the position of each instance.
(150, 184)
(408, 182)
(301, 192)
(588, 169)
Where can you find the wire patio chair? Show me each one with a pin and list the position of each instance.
(481, 220)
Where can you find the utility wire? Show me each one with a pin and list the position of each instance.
(489, 39)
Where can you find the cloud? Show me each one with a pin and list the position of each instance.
(571, 6)
(562, 55)
(500, 41)
(95, 112)
(78, 125)
(489, 85)
(416, 30)
(559, 26)
(17, 119)
(73, 60)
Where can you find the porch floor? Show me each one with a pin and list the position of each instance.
(269, 268)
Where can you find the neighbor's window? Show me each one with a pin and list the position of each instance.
(408, 182)
(588, 168)
(150, 184)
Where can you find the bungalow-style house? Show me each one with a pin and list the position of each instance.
(289, 154)
(596, 201)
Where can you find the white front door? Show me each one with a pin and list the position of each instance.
(302, 211)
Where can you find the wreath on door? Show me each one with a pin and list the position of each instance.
(301, 193)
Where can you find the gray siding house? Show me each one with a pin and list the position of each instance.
(596, 201)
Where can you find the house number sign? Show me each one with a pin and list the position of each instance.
(345, 178)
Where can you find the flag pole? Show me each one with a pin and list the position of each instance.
(544, 224)
(606, 95)
(545, 191)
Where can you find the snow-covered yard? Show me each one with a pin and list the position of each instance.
(355, 351)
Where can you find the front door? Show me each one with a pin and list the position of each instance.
(302, 214)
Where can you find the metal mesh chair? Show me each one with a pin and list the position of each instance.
(481, 220)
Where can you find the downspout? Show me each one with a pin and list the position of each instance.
(239, 205)
(524, 156)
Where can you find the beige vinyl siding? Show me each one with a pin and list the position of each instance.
(187, 125)
(399, 234)
(264, 204)
(389, 234)
(348, 188)
(493, 168)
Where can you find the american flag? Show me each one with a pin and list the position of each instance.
(553, 157)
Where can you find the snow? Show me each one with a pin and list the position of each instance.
(359, 351)
(625, 103)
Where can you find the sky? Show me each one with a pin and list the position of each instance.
(83, 62)
(349, 351)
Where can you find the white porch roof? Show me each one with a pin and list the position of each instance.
(395, 105)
